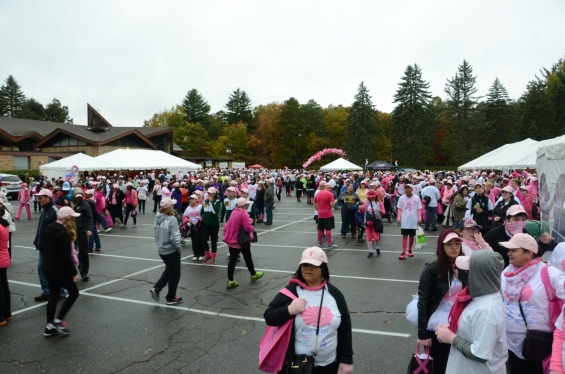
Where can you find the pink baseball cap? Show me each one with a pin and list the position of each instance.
(232, 189)
(450, 236)
(314, 256)
(520, 240)
(242, 201)
(66, 212)
(515, 210)
(44, 192)
(463, 262)
(167, 202)
(194, 196)
(322, 184)
(212, 190)
(508, 189)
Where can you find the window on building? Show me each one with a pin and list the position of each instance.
(52, 159)
(67, 141)
(21, 163)
(128, 141)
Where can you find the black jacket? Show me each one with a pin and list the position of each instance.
(120, 196)
(84, 222)
(47, 217)
(93, 210)
(58, 251)
(260, 196)
(431, 291)
(481, 218)
(500, 210)
(277, 314)
(498, 234)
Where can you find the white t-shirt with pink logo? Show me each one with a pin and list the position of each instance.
(409, 206)
(193, 214)
(305, 326)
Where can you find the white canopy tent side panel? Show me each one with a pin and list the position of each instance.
(340, 164)
(140, 159)
(518, 155)
(551, 175)
(83, 161)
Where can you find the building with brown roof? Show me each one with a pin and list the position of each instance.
(26, 144)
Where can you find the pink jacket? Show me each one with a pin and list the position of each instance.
(238, 218)
(4, 255)
(100, 202)
(23, 196)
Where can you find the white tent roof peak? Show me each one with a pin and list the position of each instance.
(83, 161)
(518, 155)
(141, 159)
(341, 164)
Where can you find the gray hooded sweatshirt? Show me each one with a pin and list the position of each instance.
(167, 234)
(484, 279)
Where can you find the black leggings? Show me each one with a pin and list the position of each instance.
(440, 353)
(212, 233)
(116, 212)
(171, 275)
(56, 281)
(129, 209)
(82, 246)
(520, 366)
(196, 240)
(142, 206)
(5, 306)
(234, 252)
(157, 200)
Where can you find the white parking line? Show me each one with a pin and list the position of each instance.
(198, 311)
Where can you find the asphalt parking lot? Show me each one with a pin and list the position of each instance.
(117, 327)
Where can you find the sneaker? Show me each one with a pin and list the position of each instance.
(84, 277)
(134, 226)
(378, 251)
(232, 284)
(97, 249)
(206, 260)
(402, 256)
(258, 275)
(175, 301)
(50, 331)
(195, 258)
(98, 231)
(42, 297)
(370, 255)
(212, 261)
(154, 294)
(410, 254)
(360, 240)
(62, 327)
(332, 246)
(9, 318)
(320, 245)
(122, 226)
(108, 229)
(201, 258)
(2, 323)
(343, 236)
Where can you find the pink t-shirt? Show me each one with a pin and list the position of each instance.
(323, 199)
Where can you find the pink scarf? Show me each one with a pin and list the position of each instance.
(305, 286)
(473, 245)
(517, 278)
(462, 299)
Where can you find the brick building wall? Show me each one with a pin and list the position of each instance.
(6, 162)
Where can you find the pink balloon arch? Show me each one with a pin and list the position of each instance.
(323, 153)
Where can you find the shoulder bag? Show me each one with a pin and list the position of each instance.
(537, 345)
(304, 364)
(372, 220)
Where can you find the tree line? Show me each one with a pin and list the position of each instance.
(14, 103)
(423, 129)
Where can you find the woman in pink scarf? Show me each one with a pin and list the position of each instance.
(471, 236)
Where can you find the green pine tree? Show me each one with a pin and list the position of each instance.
(196, 108)
(413, 122)
(362, 128)
(12, 98)
(537, 119)
(461, 103)
(497, 129)
(238, 107)
(33, 109)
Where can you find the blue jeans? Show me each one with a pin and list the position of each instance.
(102, 220)
(431, 214)
(347, 218)
(269, 211)
(42, 279)
(94, 238)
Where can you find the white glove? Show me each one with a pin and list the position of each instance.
(345, 368)
(297, 306)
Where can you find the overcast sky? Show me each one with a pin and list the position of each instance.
(130, 59)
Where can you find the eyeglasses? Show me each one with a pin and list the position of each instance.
(472, 229)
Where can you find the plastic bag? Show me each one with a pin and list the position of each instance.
(420, 238)
(412, 311)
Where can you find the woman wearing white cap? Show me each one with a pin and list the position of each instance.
(167, 236)
(60, 268)
(239, 219)
(192, 212)
(502, 205)
(526, 301)
(318, 303)
(210, 213)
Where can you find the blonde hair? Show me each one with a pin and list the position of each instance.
(157, 181)
(168, 210)
(71, 226)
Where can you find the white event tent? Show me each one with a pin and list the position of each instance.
(519, 155)
(63, 166)
(341, 164)
(140, 159)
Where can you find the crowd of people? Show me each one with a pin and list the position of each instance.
(476, 302)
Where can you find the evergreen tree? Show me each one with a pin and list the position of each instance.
(292, 133)
(55, 112)
(558, 101)
(196, 108)
(461, 103)
(12, 98)
(239, 107)
(537, 112)
(497, 110)
(362, 128)
(33, 109)
(413, 122)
